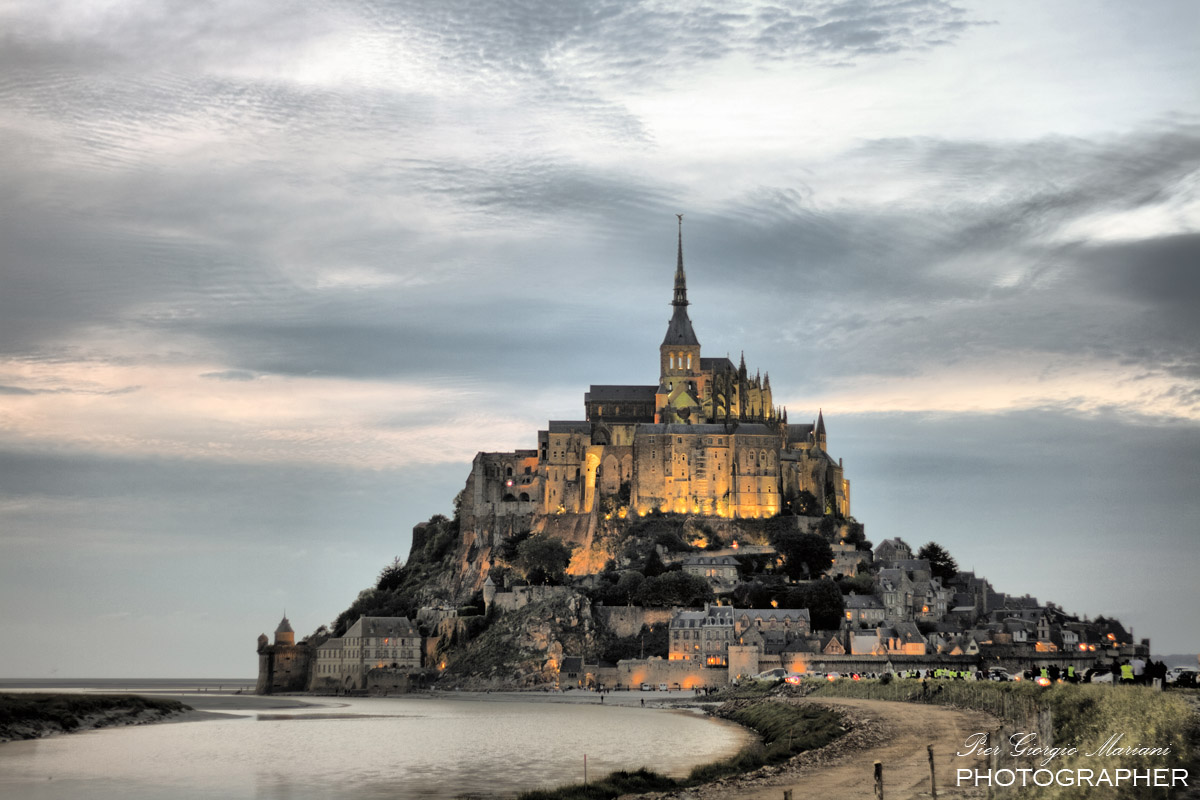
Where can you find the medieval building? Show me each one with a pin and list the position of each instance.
(706, 439)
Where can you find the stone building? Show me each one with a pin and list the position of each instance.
(371, 643)
(721, 572)
(705, 439)
(703, 637)
(285, 665)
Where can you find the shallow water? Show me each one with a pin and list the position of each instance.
(365, 748)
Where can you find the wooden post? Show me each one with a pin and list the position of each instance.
(932, 773)
(585, 769)
(878, 780)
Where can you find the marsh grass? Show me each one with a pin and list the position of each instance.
(67, 711)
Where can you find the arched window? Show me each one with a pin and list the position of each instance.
(689, 366)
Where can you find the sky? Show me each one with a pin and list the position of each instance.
(272, 273)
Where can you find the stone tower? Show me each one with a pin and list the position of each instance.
(284, 633)
(681, 382)
(680, 350)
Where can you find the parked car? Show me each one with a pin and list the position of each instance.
(1102, 676)
(662, 687)
(647, 687)
(1182, 676)
(999, 674)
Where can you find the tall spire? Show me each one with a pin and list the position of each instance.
(679, 329)
(680, 277)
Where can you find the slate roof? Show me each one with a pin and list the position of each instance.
(774, 613)
(717, 365)
(679, 330)
(714, 615)
(714, 561)
(716, 429)
(571, 664)
(611, 393)
(382, 627)
(284, 626)
(569, 426)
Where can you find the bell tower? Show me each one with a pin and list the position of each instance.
(679, 354)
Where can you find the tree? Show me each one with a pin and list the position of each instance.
(654, 565)
(543, 559)
(804, 554)
(673, 589)
(823, 600)
(941, 563)
(391, 577)
(805, 504)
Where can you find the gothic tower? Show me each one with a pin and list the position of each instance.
(680, 378)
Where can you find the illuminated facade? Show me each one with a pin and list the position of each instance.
(707, 439)
(370, 643)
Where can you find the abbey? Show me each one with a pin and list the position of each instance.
(706, 439)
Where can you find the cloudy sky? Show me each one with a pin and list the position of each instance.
(271, 274)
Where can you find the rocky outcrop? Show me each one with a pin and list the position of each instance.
(524, 648)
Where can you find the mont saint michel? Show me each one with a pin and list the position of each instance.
(684, 534)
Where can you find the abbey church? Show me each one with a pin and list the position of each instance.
(706, 439)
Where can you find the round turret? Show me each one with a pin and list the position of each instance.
(284, 633)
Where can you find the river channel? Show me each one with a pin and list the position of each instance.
(403, 747)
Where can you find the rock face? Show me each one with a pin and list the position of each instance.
(523, 648)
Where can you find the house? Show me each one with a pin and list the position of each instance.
(701, 636)
(721, 572)
(570, 673)
(778, 627)
(847, 558)
(370, 643)
(864, 609)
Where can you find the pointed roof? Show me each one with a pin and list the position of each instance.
(820, 423)
(284, 626)
(679, 329)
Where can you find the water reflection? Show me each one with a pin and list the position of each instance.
(369, 748)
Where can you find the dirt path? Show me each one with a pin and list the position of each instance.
(895, 734)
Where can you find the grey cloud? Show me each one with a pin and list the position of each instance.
(1162, 272)
(230, 375)
(642, 43)
(156, 499)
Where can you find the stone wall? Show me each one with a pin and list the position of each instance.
(389, 681)
(678, 675)
(626, 621)
(284, 668)
(521, 596)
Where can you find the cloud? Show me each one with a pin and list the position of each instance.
(230, 375)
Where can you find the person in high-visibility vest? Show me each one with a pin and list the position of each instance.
(1071, 673)
(1126, 673)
